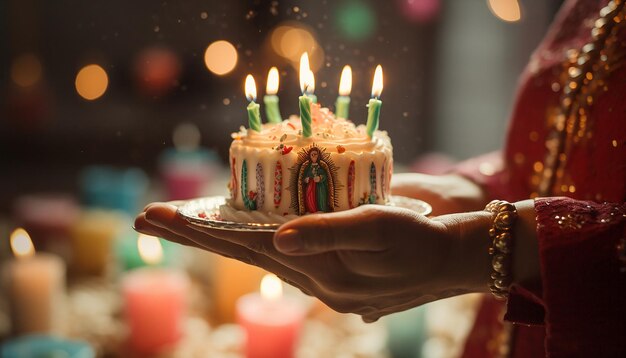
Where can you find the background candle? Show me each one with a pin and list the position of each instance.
(155, 301)
(35, 286)
(113, 188)
(187, 169)
(271, 321)
(342, 106)
(46, 346)
(48, 219)
(374, 105)
(231, 279)
(272, 111)
(254, 116)
(92, 238)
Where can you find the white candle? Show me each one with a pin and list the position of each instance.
(154, 301)
(35, 288)
(271, 321)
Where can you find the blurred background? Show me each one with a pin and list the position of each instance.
(107, 105)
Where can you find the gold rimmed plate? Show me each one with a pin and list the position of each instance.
(205, 212)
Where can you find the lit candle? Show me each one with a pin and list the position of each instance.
(271, 321)
(254, 116)
(154, 300)
(307, 77)
(374, 105)
(342, 106)
(35, 288)
(306, 81)
(272, 111)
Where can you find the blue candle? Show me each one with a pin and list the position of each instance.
(46, 346)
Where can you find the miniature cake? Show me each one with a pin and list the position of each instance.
(278, 174)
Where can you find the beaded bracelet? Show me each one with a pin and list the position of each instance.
(501, 235)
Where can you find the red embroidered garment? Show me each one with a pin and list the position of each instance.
(567, 143)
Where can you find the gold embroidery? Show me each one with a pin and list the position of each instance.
(581, 80)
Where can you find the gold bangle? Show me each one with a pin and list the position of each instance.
(501, 235)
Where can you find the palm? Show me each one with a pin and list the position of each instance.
(350, 260)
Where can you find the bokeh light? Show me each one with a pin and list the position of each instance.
(91, 82)
(156, 71)
(421, 11)
(355, 20)
(220, 57)
(290, 40)
(26, 70)
(505, 10)
(21, 244)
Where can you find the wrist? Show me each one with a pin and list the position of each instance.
(525, 264)
(469, 263)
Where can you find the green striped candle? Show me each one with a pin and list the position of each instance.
(373, 113)
(254, 115)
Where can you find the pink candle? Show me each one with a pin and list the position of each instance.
(271, 321)
(155, 302)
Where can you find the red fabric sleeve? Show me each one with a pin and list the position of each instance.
(583, 279)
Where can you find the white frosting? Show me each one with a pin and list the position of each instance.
(228, 213)
(332, 134)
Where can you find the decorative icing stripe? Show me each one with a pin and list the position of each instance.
(260, 186)
(248, 197)
(372, 198)
(383, 175)
(233, 179)
(390, 173)
(351, 184)
(278, 184)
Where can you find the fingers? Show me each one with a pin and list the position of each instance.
(361, 229)
(165, 221)
(143, 226)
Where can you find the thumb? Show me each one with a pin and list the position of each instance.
(360, 229)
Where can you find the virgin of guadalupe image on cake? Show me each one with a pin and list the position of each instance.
(314, 189)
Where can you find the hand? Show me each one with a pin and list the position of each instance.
(316, 178)
(372, 261)
(446, 193)
(306, 180)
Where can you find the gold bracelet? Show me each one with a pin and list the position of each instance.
(501, 235)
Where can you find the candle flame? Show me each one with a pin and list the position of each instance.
(345, 83)
(306, 76)
(309, 84)
(150, 249)
(271, 287)
(377, 86)
(250, 88)
(272, 81)
(21, 244)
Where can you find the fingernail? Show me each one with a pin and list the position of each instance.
(288, 241)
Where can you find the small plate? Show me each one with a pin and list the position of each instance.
(205, 212)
